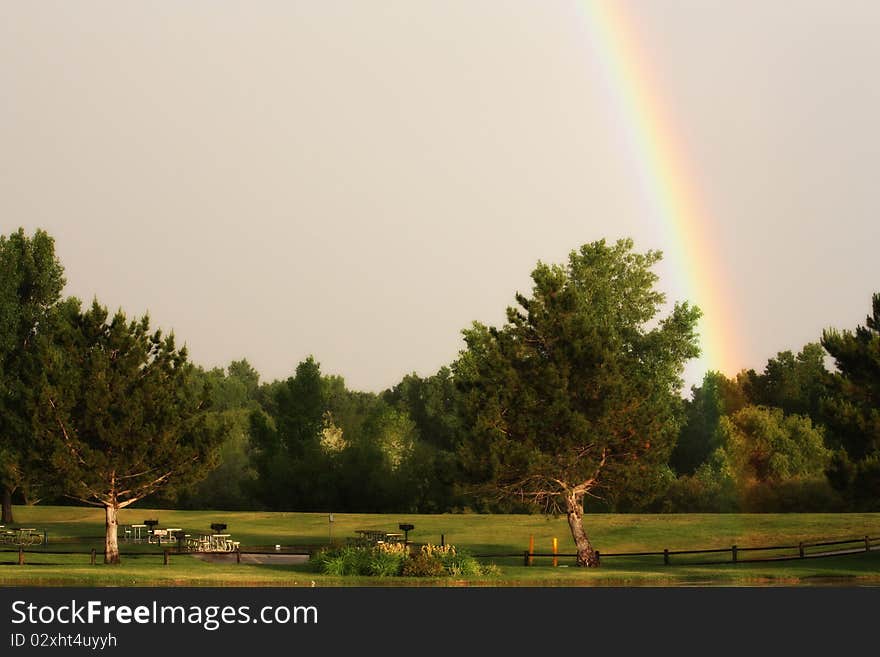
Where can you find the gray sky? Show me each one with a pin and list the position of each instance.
(361, 180)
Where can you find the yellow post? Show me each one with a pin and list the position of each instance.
(531, 547)
(555, 549)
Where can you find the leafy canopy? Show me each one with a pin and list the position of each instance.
(578, 391)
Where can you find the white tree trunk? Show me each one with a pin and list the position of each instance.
(575, 508)
(111, 544)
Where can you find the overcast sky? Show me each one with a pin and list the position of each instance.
(360, 180)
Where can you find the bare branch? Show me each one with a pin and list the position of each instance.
(149, 486)
(136, 474)
(67, 439)
(86, 500)
(589, 483)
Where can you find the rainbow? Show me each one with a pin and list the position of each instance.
(668, 186)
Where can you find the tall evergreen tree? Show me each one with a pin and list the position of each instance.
(287, 440)
(118, 417)
(796, 383)
(852, 409)
(31, 280)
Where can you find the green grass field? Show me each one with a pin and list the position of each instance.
(80, 529)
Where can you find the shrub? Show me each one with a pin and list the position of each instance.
(393, 559)
(383, 560)
(491, 570)
(348, 560)
(799, 494)
(422, 564)
(453, 561)
(387, 559)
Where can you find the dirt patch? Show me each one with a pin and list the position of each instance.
(267, 559)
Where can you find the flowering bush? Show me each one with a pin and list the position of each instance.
(392, 559)
(438, 560)
(441, 551)
(423, 564)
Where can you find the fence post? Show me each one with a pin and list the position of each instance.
(598, 558)
(867, 544)
(801, 549)
(526, 558)
(531, 548)
(92, 559)
(238, 554)
(165, 553)
(733, 552)
(665, 556)
(555, 551)
(20, 555)
(442, 540)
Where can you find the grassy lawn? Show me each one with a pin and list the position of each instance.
(80, 529)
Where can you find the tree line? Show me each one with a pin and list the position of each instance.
(575, 403)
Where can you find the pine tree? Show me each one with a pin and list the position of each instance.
(577, 394)
(119, 416)
(31, 280)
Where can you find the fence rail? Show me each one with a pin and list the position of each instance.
(865, 544)
(165, 553)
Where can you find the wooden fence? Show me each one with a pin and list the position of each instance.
(732, 554)
(737, 554)
(166, 553)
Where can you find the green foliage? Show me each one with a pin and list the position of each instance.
(422, 564)
(699, 436)
(795, 495)
(365, 453)
(286, 439)
(575, 395)
(711, 489)
(351, 560)
(432, 404)
(31, 280)
(385, 563)
(231, 484)
(857, 481)
(794, 383)
(348, 560)
(391, 560)
(578, 391)
(118, 417)
(852, 410)
(764, 445)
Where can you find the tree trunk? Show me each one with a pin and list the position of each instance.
(111, 545)
(586, 554)
(6, 517)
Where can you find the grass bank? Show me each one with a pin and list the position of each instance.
(80, 529)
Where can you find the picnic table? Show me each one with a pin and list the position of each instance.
(135, 533)
(20, 535)
(378, 536)
(211, 543)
